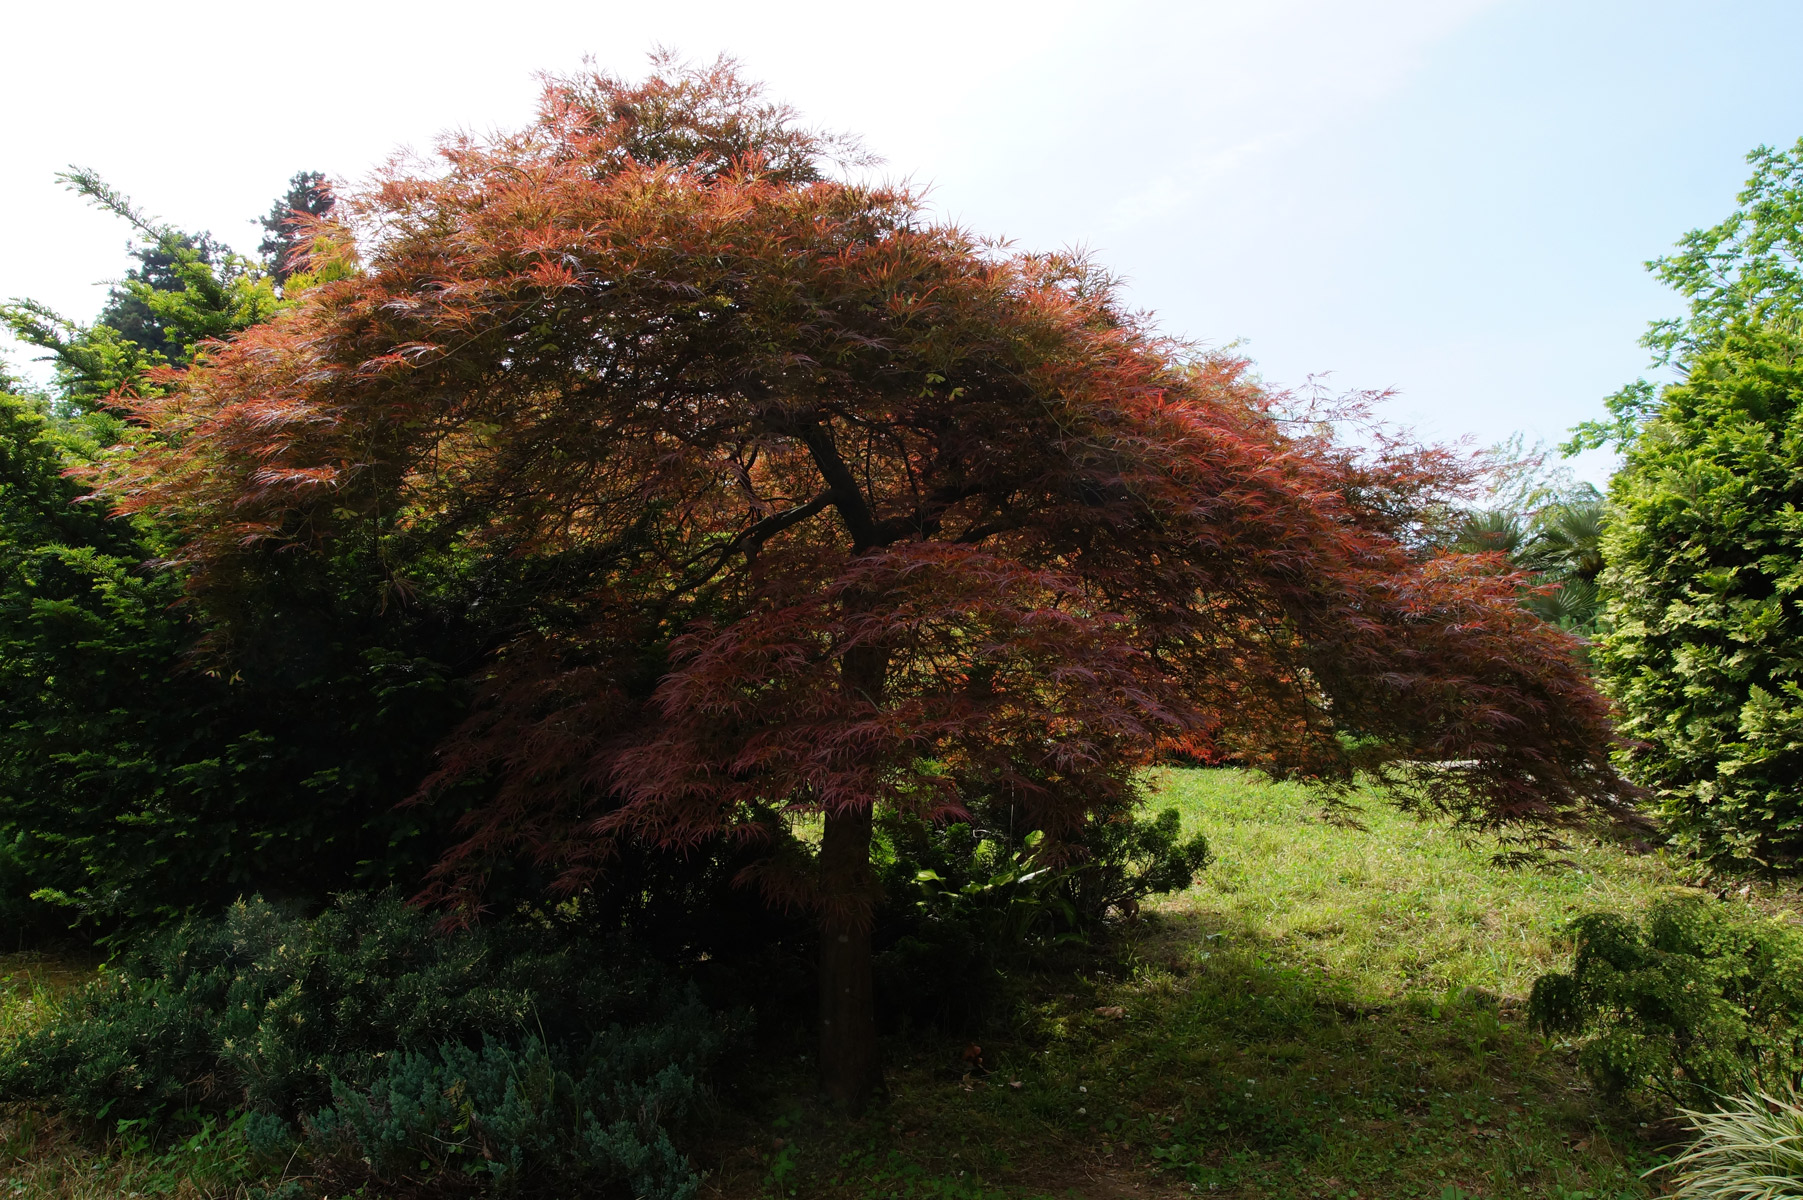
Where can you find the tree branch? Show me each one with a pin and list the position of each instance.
(755, 537)
(843, 487)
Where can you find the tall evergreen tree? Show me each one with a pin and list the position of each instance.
(308, 196)
(159, 269)
(1702, 541)
(136, 781)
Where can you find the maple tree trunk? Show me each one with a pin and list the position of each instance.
(849, 1072)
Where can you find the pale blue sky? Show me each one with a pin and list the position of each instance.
(1452, 199)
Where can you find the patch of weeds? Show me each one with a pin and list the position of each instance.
(195, 1149)
(44, 1157)
(28, 992)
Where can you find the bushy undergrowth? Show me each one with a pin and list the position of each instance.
(515, 1057)
(966, 902)
(544, 1052)
(1688, 1005)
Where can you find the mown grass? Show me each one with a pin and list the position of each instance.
(1381, 902)
(1334, 1009)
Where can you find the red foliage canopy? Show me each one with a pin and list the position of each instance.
(839, 505)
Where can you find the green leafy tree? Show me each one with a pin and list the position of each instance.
(1737, 275)
(186, 291)
(1703, 541)
(135, 782)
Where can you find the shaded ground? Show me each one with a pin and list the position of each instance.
(1334, 1010)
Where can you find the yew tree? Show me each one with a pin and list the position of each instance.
(827, 508)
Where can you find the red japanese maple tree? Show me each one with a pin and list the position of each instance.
(894, 515)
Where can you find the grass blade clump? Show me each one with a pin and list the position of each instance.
(1751, 1148)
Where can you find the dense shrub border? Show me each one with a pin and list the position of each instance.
(378, 1048)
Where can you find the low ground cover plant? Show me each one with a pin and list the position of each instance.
(377, 1048)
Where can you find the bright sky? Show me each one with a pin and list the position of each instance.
(1448, 198)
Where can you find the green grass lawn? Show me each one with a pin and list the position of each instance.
(1398, 907)
(1334, 1009)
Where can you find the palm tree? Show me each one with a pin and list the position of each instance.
(1565, 548)
(1568, 539)
(1490, 531)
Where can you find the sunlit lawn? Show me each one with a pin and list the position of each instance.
(1332, 1010)
(1399, 907)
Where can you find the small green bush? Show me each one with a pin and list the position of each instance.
(965, 902)
(1687, 1006)
(384, 1049)
(1129, 859)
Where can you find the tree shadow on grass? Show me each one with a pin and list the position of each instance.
(1241, 1065)
(1198, 1058)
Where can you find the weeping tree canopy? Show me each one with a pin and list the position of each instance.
(829, 505)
